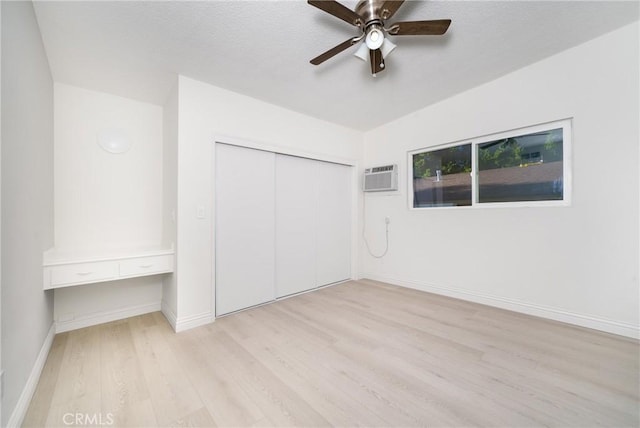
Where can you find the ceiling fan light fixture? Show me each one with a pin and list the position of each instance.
(375, 38)
(387, 47)
(362, 52)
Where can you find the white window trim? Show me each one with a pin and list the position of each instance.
(565, 124)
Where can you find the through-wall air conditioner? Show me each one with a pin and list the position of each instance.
(381, 178)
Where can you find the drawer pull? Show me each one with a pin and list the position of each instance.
(146, 266)
(84, 273)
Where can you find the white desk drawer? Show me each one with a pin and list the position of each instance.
(146, 265)
(83, 273)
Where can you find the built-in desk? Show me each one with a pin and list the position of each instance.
(66, 269)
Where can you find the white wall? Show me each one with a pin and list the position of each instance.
(106, 201)
(1, 377)
(206, 112)
(579, 263)
(27, 202)
(83, 306)
(170, 196)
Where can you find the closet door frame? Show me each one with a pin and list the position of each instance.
(356, 195)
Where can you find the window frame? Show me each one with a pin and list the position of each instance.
(564, 124)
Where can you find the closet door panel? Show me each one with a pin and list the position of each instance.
(334, 223)
(245, 228)
(296, 199)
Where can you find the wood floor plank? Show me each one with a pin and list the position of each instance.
(170, 391)
(122, 380)
(78, 389)
(204, 365)
(362, 353)
(280, 404)
(40, 406)
(294, 358)
(198, 418)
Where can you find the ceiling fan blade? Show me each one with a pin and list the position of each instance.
(420, 28)
(389, 8)
(338, 10)
(335, 50)
(377, 62)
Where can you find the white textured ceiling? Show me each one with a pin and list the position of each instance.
(262, 49)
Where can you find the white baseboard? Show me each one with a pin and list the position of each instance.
(106, 316)
(19, 412)
(556, 314)
(186, 323)
(169, 315)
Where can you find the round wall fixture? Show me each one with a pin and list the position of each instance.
(114, 141)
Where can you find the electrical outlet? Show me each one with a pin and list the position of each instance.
(387, 220)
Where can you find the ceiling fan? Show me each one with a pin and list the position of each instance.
(370, 16)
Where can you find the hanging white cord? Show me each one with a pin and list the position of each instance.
(364, 226)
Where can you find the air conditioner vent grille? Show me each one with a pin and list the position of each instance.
(381, 178)
(383, 168)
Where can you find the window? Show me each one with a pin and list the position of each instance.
(523, 167)
(442, 177)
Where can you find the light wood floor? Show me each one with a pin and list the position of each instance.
(355, 354)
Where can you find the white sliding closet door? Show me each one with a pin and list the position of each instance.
(296, 203)
(334, 223)
(245, 228)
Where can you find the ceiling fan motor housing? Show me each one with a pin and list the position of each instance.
(370, 10)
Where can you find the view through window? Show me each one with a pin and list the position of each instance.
(523, 166)
(442, 177)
